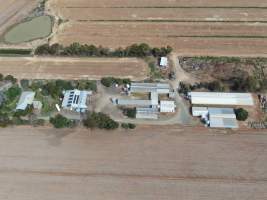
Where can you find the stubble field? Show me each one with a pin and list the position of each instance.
(73, 68)
(203, 27)
(148, 163)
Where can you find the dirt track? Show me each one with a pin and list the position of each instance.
(235, 28)
(145, 164)
(73, 68)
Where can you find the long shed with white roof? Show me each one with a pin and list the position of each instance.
(221, 98)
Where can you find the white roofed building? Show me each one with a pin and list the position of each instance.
(163, 62)
(167, 106)
(75, 100)
(221, 98)
(26, 98)
(146, 113)
(222, 118)
(160, 88)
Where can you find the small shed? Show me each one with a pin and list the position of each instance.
(37, 105)
(163, 62)
(167, 106)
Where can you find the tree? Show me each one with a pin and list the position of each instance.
(216, 86)
(12, 93)
(129, 112)
(241, 114)
(1, 77)
(60, 121)
(24, 83)
(107, 81)
(11, 78)
(128, 126)
(25, 112)
(100, 120)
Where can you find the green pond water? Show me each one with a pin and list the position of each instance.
(36, 28)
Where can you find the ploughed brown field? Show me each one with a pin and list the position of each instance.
(162, 163)
(73, 68)
(13, 11)
(190, 27)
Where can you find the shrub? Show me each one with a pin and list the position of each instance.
(87, 85)
(241, 114)
(60, 121)
(184, 88)
(1, 77)
(128, 126)
(24, 83)
(129, 112)
(109, 81)
(100, 120)
(4, 120)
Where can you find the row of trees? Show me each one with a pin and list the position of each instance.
(8, 78)
(100, 120)
(77, 49)
(109, 81)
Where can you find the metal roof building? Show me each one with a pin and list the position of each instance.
(133, 102)
(75, 100)
(154, 98)
(167, 106)
(146, 113)
(160, 88)
(220, 98)
(199, 111)
(222, 118)
(163, 62)
(25, 99)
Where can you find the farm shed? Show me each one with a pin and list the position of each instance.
(222, 118)
(75, 100)
(220, 98)
(154, 98)
(146, 113)
(199, 111)
(167, 106)
(25, 99)
(133, 102)
(160, 88)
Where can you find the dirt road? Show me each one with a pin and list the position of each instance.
(149, 163)
(73, 68)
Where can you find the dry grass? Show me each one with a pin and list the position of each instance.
(73, 68)
(190, 31)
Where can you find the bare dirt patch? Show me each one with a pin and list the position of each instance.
(147, 163)
(74, 68)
